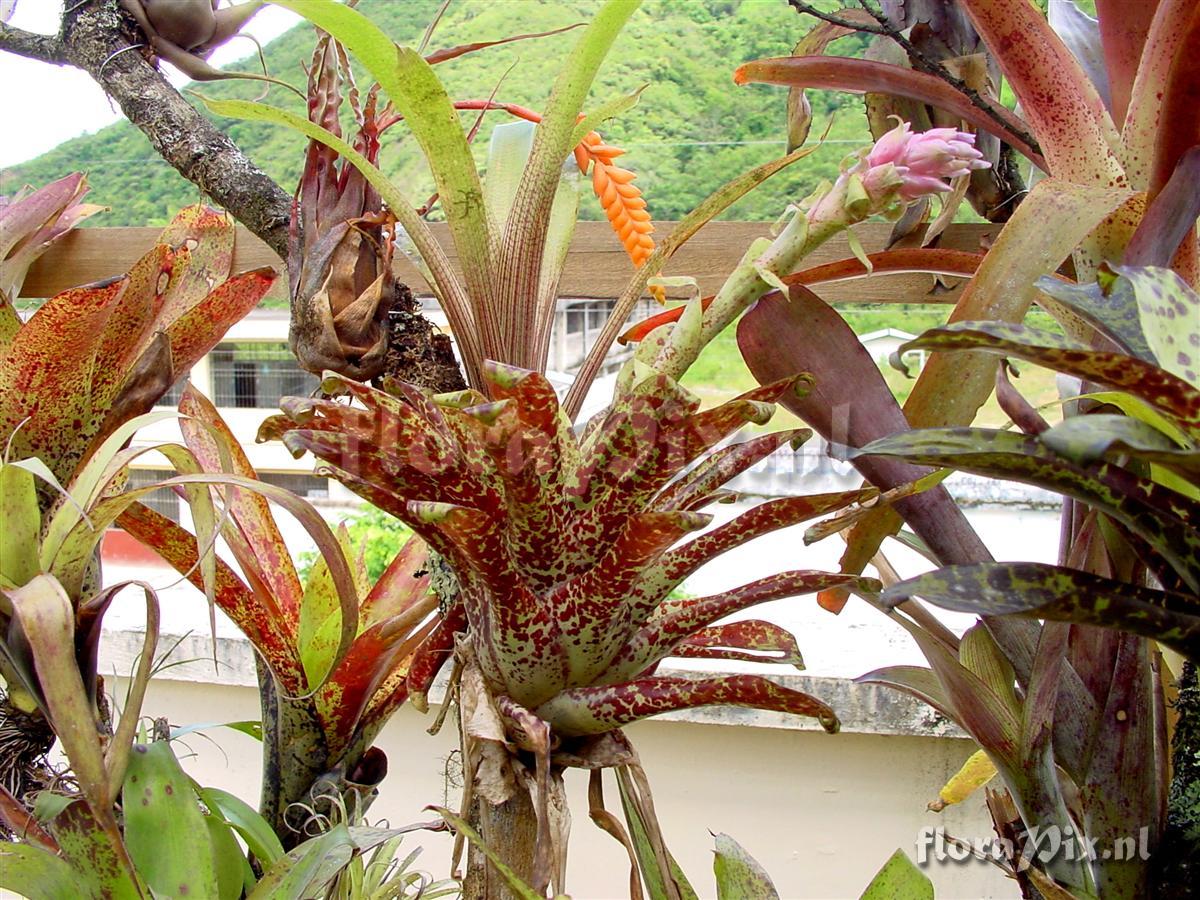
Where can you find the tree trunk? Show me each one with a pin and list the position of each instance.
(510, 830)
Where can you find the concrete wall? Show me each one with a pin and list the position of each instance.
(820, 812)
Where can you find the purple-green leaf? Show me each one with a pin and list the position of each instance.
(1040, 591)
(1159, 388)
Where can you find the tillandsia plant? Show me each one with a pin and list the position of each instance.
(349, 314)
(332, 674)
(76, 381)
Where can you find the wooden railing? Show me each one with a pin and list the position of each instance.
(596, 266)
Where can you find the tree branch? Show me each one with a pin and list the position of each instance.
(919, 61)
(94, 41)
(45, 48)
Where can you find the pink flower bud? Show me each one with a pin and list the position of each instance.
(924, 159)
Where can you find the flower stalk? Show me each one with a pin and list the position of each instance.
(902, 167)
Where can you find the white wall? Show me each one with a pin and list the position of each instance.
(820, 812)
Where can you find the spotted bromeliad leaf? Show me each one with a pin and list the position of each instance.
(564, 545)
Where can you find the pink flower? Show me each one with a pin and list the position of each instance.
(923, 160)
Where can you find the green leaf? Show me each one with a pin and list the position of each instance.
(47, 620)
(22, 520)
(250, 727)
(1039, 591)
(1170, 317)
(1158, 515)
(1110, 308)
(508, 152)
(305, 871)
(253, 828)
(49, 804)
(603, 113)
(1085, 439)
(232, 868)
(165, 831)
(320, 619)
(40, 875)
(899, 879)
(643, 847)
(522, 249)
(739, 874)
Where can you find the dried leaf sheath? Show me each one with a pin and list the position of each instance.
(562, 545)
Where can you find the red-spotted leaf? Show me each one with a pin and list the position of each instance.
(595, 710)
(863, 76)
(751, 640)
(30, 223)
(1057, 98)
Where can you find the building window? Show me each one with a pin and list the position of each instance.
(172, 397)
(310, 487)
(255, 375)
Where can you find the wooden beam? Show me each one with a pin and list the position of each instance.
(596, 266)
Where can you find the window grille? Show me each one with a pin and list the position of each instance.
(256, 375)
(164, 500)
(311, 487)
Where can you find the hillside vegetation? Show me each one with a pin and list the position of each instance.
(692, 130)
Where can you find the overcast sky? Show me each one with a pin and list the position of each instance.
(41, 106)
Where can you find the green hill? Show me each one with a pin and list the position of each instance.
(692, 130)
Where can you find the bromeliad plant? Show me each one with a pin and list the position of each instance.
(339, 654)
(562, 638)
(1128, 468)
(343, 238)
(1039, 699)
(1109, 154)
(76, 381)
(129, 822)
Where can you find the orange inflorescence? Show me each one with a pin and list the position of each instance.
(620, 197)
